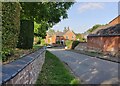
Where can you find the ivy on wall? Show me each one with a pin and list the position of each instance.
(10, 26)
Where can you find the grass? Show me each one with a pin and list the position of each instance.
(55, 72)
(37, 46)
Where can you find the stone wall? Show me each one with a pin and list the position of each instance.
(24, 70)
(105, 43)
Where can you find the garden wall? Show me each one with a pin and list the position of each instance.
(24, 70)
(105, 43)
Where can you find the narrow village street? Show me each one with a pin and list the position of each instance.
(90, 70)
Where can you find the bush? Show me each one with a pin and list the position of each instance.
(74, 44)
(10, 27)
(43, 42)
(68, 43)
(26, 35)
(58, 42)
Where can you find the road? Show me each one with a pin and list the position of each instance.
(89, 69)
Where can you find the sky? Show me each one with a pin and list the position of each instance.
(84, 15)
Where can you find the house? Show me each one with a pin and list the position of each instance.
(60, 37)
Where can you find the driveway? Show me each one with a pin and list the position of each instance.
(91, 70)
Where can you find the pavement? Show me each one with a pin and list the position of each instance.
(89, 69)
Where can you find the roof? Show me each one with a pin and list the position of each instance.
(112, 30)
(59, 33)
(62, 33)
(100, 28)
(114, 19)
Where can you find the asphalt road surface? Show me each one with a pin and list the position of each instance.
(91, 70)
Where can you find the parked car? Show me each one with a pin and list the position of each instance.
(49, 46)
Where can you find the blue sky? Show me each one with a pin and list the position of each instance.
(83, 15)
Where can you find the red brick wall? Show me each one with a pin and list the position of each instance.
(104, 43)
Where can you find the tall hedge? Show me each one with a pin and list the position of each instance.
(74, 44)
(10, 26)
(26, 35)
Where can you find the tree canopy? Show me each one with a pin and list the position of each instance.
(94, 28)
(46, 14)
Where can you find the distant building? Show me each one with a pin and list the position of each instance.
(60, 37)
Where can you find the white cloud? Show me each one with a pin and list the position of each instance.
(90, 6)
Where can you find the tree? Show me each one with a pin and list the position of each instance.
(51, 32)
(52, 12)
(80, 37)
(40, 29)
(46, 14)
(10, 27)
(94, 28)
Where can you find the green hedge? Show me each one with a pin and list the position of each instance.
(10, 27)
(68, 43)
(74, 44)
(26, 35)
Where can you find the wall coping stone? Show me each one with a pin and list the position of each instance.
(11, 69)
(94, 35)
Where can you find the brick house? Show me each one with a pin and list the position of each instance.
(60, 37)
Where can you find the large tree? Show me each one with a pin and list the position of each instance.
(46, 14)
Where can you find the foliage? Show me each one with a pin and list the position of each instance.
(39, 40)
(46, 14)
(0, 45)
(79, 37)
(43, 42)
(40, 29)
(54, 71)
(10, 27)
(94, 28)
(68, 43)
(26, 34)
(51, 32)
(57, 42)
(74, 44)
(75, 81)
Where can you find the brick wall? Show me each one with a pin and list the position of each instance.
(109, 43)
(25, 70)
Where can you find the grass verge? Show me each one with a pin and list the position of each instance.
(55, 72)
